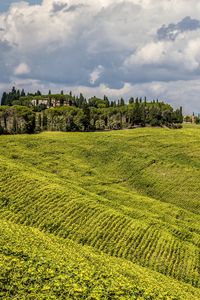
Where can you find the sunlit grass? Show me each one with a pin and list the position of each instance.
(132, 194)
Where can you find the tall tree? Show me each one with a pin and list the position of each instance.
(4, 99)
(23, 94)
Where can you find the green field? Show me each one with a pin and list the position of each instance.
(100, 215)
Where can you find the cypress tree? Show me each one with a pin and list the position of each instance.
(4, 99)
(23, 94)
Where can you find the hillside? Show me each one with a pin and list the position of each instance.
(100, 215)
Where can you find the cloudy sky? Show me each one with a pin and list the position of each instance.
(113, 47)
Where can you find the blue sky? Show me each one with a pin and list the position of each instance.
(113, 47)
(4, 4)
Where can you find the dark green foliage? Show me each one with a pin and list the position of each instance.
(9, 98)
(4, 98)
(64, 119)
(16, 119)
(96, 115)
(197, 120)
(23, 94)
(62, 112)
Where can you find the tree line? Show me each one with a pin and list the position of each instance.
(76, 113)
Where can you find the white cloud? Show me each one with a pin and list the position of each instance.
(96, 73)
(180, 57)
(22, 69)
(112, 44)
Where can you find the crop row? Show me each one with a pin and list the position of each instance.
(70, 212)
(94, 224)
(57, 269)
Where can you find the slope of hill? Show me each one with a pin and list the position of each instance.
(126, 199)
(35, 265)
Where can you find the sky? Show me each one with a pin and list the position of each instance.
(117, 48)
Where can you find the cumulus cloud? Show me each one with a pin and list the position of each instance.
(95, 74)
(110, 46)
(22, 69)
(178, 57)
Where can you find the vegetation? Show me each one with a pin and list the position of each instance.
(16, 119)
(100, 215)
(192, 119)
(62, 269)
(74, 113)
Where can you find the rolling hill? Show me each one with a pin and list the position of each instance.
(100, 215)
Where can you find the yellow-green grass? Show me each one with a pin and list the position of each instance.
(131, 194)
(34, 265)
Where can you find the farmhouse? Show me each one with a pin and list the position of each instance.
(49, 102)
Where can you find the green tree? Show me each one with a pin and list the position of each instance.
(4, 98)
(23, 94)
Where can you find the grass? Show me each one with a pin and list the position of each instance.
(124, 198)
